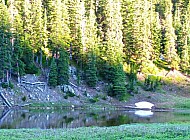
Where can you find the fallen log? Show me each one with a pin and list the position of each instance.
(35, 83)
(4, 115)
(73, 85)
(5, 100)
(154, 109)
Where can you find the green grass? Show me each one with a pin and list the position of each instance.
(48, 105)
(126, 132)
(182, 104)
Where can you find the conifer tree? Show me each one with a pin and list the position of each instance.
(76, 25)
(181, 25)
(111, 39)
(24, 9)
(156, 31)
(128, 30)
(90, 43)
(57, 17)
(119, 89)
(38, 31)
(17, 64)
(5, 44)
(52, 81)
(91, 70)
(17, 50)
(170, 37)
(63, 68)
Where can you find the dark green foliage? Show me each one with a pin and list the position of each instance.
(106, 71)
(115, 75)
(24, 98)
(30, 67)
(5, 44)
(63, 68)
(119, 89)
(152, 82)
(69, 94)
(17, 64)
(7, 85)
(132, 77)
(4, 85)
(53, 74)
(91, 71)
(94, 99)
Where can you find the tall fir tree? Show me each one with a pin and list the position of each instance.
(91, 70)
(110, 20)
(119, 80)
(59, 32)
(17, 50)
(76, 25)
(170, 37)
(24, 9)
(38, 37)
(63, 68)
(128, 30)
(181, 25)
(156, 31)
(91, 43)
(5, 44)
(52, 81)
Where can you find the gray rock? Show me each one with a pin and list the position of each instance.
(31, 97)
(74, 77)
(72, 70)
(68, 88)
(98, 89)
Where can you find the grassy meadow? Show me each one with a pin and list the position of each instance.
(123, 132)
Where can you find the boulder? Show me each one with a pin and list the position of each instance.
(72, 70)
(68, 89)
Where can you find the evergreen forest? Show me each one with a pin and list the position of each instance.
(106, 40)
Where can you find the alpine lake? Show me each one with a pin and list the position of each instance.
(51, 119)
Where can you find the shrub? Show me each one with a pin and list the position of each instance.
(7, 85)
(94, 99)
(152, 82)
(24, 98)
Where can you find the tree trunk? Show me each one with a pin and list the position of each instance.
(41, 58)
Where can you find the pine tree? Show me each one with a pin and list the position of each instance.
(91, 70)
(17, 64)
(128, 30)
(110, 21)
(17, 50)
(24, 9)
(90, 40)
(140, 34)
(38, 36)
(5, 44)
(63, 68)
(181, 25)
(57, 17)
(53, 74)
(90, 43)
(156, 31)
(119, 89)
(76, 13)
(170, 37)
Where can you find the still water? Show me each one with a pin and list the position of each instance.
(46, 119)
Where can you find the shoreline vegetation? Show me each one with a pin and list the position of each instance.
(156, 131)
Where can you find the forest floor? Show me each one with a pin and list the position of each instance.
(174, 92)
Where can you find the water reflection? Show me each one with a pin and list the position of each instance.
(144, 113)
(78, 118)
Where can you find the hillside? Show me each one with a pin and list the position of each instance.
(173, 93)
